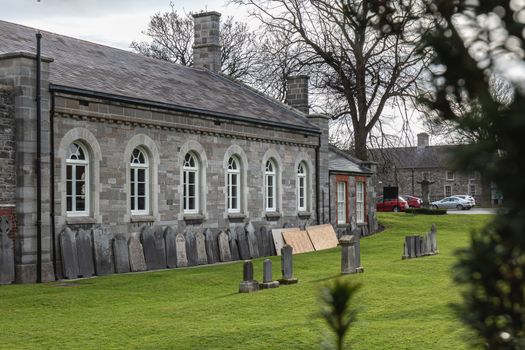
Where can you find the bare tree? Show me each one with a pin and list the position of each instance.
(360, 67)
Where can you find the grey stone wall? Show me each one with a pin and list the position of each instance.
(7, 147)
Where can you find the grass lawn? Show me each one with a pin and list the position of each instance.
(403, 303)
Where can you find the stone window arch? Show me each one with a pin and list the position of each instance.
(304, 177)
(139, 186)
(191, 183)
(302, 187)
(234, 187)
(272, 182)
(235, 165)
(193, 187)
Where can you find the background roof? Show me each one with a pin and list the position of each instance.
(340, 161)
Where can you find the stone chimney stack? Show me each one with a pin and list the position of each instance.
(206, 46)
(297, 92)
(422, 140)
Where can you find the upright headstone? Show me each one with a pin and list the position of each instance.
(121, 254)
(180, 243)
(171, 247)
(86, 267)
(267, 245)
(7, 258)
(348, 259)
(160, 247)
(242, 241)
(287, 265)
(103, 251)
(136, 255)
(260, 243)
(150, 251)
(248, 284)
(224, 247)
(191, 247)
(234, 248)
(433, 239)
(200, 242)
(212, 250)
(68, 249)
(268, 281)
(253, 248)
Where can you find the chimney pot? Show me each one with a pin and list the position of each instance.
(422, 139)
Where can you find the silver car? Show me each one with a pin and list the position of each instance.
(452, 203)
(467, 198)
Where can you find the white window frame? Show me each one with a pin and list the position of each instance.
(234, 172)
(445, 190)
(186, 170)
(450, 178)
(302, 183)
(270, 173)
(341, 202)
(471, 193)
(135, 168)
(360, 201)
(74, 164)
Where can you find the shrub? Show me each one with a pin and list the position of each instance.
(427, 211)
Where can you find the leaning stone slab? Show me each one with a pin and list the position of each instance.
(191, 247)
(68, 250)
(200, 242)
(212, 250)
(86, 267)
(171, 247)
(7, 258)
(150, 251)
(180, 243)
(136, 255)
(234, 248)
(121, 254)
(102, 251)
(252, 240)
(160, 247)
(266, 242)
(224, 247)
(242, 241)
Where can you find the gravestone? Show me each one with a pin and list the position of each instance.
(433, 239)
(224, 247)
(260, 243)
(242, 241)
(136, 255)
(160, 248)
(68, 250)
(150, 251)
(348, 255)
(287, 265)
(121, 254)
(86, 267)
(191, 247)
(267, 243)
(234, 248)
(200, 242)
(268, 281)
(180, 244)
(212, 251)
(416, 246)
(248, 284)
(252, 240)
(103, 252)
(7, 257)
(171, 247)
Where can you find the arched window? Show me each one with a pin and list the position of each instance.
(139, 182)
(302, 198)
(270, 185)
(190, 169)
(234, 188)
(77, 181)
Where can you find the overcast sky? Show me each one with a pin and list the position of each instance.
(110, 22)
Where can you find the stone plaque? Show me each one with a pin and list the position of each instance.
(200, 242)
(224, 247)
(171, 247)
(160, 248)
(121, 254)
(148, 244)
(212, 250)
(86, 267)
(180, 243)
(252, 240)
(322, 236)
(7, 258)
(136, 255)
(234, 248)
(191, 247)
(242, 242)
(299, 240)
(68, 250)
(103, 252)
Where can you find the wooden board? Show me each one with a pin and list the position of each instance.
(299, 240)
(322, 236)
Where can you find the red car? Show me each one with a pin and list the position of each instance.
(413, 202)
(395, 205)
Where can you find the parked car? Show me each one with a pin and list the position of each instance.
(413, 202)
(452, 202)
(395, 205)
(468, 198)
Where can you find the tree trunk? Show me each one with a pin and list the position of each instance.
(360, 144)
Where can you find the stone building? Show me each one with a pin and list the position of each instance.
(127, 141)
(406, 166)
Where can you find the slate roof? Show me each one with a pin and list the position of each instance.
(88, 66)
(414, 157)
(340, 161)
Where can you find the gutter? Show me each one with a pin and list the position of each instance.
(173, 107)
(38, 161)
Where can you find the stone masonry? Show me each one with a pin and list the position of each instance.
(7, 157)
(206, 47)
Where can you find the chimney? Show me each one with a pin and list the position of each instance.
(422, 140)
(297, 92)
(206, 46)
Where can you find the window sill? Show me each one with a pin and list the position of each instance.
(304, 214)
(193, 217)
(236, 216)
(80, 220)
(273, 215)
(142, 218)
